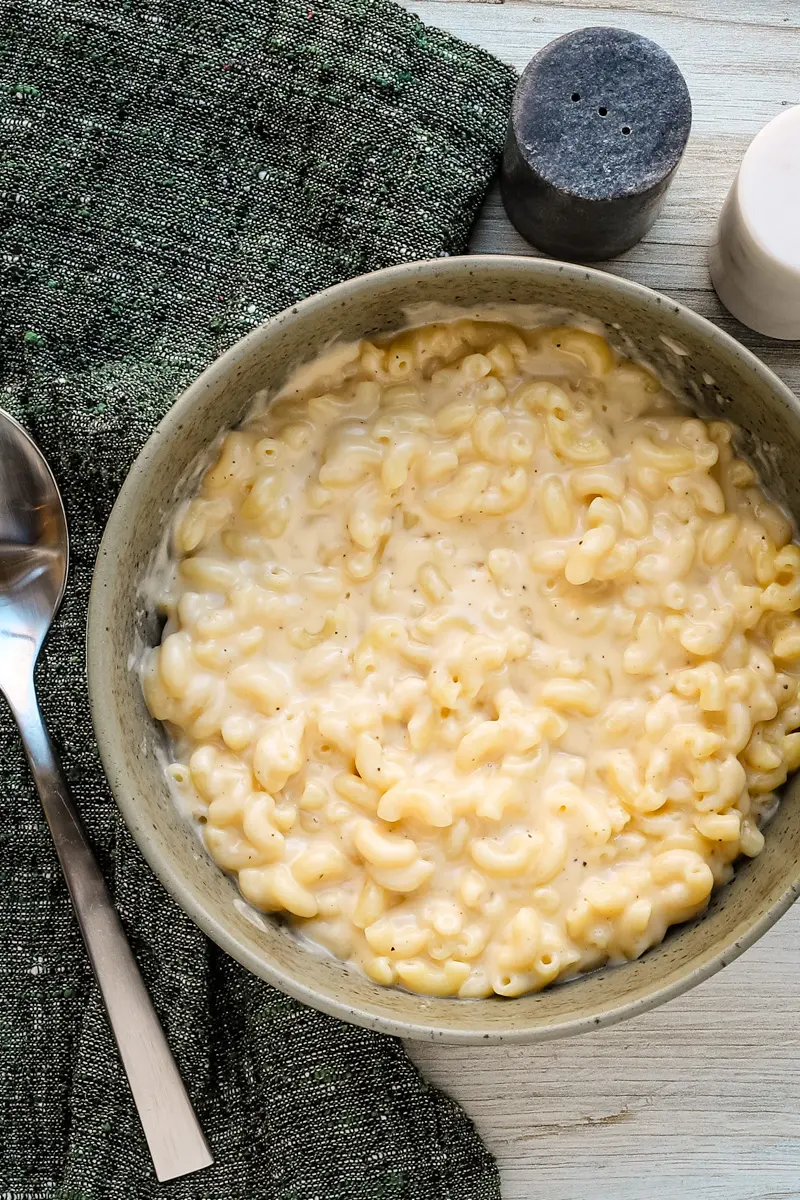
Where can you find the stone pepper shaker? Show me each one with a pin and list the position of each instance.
(599, 123)
(755, 260)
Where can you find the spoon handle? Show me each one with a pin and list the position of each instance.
(173, 1133)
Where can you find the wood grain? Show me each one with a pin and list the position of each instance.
(700, 1098)
(754, 12)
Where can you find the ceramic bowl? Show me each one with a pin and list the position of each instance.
(721, 376)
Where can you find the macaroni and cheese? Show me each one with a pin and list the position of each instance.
(481, 656)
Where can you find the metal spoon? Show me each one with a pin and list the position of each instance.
(34, 558)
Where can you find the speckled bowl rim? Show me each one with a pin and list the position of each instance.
(148, 840)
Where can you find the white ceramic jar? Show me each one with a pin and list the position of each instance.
(755, 259)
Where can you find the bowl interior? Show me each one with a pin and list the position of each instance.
(721, 376)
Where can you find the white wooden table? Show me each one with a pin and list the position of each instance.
(700, 1098)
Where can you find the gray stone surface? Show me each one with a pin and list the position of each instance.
(599, 123)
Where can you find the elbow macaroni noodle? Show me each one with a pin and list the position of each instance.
(481, 658)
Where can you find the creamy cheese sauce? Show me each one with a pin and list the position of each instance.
(480, 658)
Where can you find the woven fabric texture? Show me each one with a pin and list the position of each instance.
(171, 173)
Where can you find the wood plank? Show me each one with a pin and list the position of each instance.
(743, 12)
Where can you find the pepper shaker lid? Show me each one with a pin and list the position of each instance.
(755, 259)
(599, 123)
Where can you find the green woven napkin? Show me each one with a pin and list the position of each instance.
(173, 172)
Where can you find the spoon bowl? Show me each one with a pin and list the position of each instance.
(34, 542)
(34, 564)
